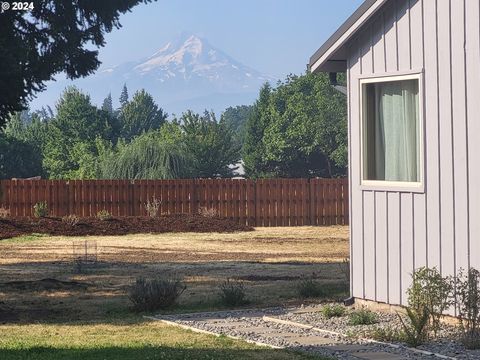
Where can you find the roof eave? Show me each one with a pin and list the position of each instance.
(327, 58)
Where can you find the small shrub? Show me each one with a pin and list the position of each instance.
(104, 215)
(4, 213)
(362, 317)
(415, 327)
(309, 288)
(468, 306)
(429, 289)
(40, 209)
(153, 207)
(330, 311)
(232, 293)
(71, 220)
(208, 212)
(155, 294)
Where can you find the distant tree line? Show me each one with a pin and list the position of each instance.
(297, 129)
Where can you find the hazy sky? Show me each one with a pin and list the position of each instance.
(273, 36)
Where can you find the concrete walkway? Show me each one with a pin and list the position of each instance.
(262, 327)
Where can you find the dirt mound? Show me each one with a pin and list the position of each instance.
(119, 226)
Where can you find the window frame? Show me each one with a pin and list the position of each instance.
(387, 185)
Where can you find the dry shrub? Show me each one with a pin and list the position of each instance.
(155, 294)
(71, 220)
(4, 213)
(40, 209)
(232, 293)
(153, 207)
(208, 212)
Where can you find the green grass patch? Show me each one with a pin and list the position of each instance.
(24, 238)
(122, 339)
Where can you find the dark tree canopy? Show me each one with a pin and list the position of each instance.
(56, 36)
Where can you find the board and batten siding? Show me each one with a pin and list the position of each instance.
(394, 232)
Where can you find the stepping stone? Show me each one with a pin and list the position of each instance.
(312, 340)
(347, 347)
(378, 356)
(306, 310)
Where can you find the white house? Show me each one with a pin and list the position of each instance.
(413, 73)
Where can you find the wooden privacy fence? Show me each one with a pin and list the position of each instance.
(267, 202)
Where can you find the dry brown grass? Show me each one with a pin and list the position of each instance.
(270, 260)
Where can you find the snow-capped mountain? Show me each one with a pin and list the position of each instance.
(187, 73)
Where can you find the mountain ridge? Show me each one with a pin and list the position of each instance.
(186, 73)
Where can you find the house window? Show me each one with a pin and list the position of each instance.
(391, 130)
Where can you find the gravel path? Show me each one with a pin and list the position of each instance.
(252, 325)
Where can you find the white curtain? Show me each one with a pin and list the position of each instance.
(396, 131)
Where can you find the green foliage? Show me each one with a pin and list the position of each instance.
(236, 119)
(298, 129)
(308, 287)
(155, 294)
(140, 115)
(232, 293)
(386, 334)
(210, 145)
(70, 147)
(468, 306)
(148, 156)
(18, 159)
(415, 327)
(333, 310)
(362, 316)
(253, 147)
(104, 215)
(56, 36)
(40, 209)
(429, 289)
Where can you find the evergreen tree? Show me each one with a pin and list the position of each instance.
(124, 96)
(108, 104)
(55, 36)
(140, 115)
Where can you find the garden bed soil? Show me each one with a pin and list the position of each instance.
(119, 226)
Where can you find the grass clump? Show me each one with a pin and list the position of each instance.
(208, 212)
(232, 293)
(333, 310)
(104, 215)
(362, 317)
(71, 220)
(388, 334)
(40, 209)
(155, 294)
(308, 287)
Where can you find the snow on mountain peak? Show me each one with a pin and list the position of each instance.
(187, 52)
